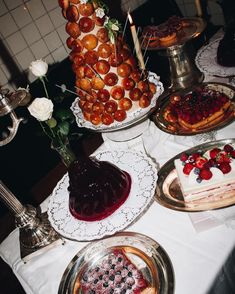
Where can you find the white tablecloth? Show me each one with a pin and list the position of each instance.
(198, 253)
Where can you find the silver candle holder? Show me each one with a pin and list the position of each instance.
(35, 231)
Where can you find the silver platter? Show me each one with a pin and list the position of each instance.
(176, 129)
(168, 192)
(147, 255)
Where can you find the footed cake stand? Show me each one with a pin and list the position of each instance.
(183, 71)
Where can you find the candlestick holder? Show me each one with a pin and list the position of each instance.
(8, 102)
(35, 231)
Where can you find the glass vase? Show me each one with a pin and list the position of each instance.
(64, 150)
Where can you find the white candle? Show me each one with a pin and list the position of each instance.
(136, 43)
(198, 7)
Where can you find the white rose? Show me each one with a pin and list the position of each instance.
(41, 108)
(38, 68)
(99, 12)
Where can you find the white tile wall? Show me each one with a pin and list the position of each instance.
(34, 29)
(21, 16)
(7, 25)
(44, 25)
(40, 49)
(24, 58)
(16, 42)
(36, 8)
(3, 8)
(31, 33)
(13, 3)
(51, 4)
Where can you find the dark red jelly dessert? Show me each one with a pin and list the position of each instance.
(114, 274)
(96, 188)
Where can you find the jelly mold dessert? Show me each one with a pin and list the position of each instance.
(96, 188)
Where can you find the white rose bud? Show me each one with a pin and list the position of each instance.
(41, 108)
(99, 12)
(38, 68)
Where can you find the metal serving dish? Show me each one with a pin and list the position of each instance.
(147, 255)
(168, 192)
(176, 129)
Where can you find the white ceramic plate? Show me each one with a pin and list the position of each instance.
(206, 61)
(144, 179)
(133, 117)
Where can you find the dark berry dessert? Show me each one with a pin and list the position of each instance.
(114, 274)
(198, 109)
(96, 188)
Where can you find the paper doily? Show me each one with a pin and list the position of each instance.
(206, 61)
(144, 178)
(132, 117)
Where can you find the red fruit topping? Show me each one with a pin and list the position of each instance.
(228, 148)
(205, 174)
(200, 161)
(183, 157)
(225, 167)
(120, 115)
(232, 154)
(195, 155)
(187, 168)
(214, 152)
(223, 157)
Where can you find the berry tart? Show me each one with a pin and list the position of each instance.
(115, 273)
(207, 176)
(201, 108)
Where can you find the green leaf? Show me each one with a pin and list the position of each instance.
(64, 114)
(63, 128)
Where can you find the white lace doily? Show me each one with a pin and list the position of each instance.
(144, 177)
(206, 61)
(132, 117)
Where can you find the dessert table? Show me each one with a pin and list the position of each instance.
(200, 245)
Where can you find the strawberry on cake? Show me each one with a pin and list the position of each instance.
(207, 176)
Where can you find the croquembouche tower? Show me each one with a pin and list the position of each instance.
(110, 81)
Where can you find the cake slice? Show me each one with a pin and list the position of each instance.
(207, 176)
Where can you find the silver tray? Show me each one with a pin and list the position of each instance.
(176, 129)
(147, 255)
(168, 192)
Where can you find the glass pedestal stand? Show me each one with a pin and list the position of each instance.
(183, 71)
(34, 227)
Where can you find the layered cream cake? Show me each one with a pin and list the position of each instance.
(207, 176)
